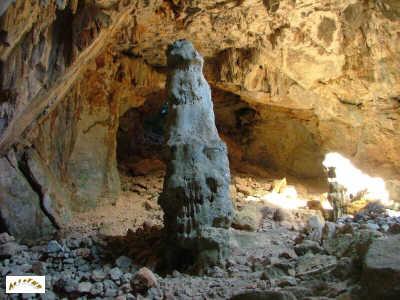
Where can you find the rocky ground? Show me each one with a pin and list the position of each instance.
(280, 250)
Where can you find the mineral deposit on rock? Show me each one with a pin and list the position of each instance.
(195, 198)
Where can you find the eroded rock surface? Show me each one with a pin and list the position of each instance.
(196, 198)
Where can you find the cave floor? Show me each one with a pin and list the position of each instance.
(137, 203)
(280, 248)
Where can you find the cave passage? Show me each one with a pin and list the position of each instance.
(140, 137)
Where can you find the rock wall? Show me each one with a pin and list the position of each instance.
(312, 77)
(78, 139)
(67, 151)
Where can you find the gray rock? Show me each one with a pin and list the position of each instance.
(69, 261)
(123, 262)
(20, 205)
(5, 238)
(74, 243)
(98, 275)
(70, 286)
(109, 284)
(385, 227)
(196, 186)
(4, 270)
(354, 246)
(8, 250)
(109, 292)
(110, 288)
(381, 272)
(54, 199)
(84, 287)
(126, 278)
(315, 225)
(329, 230)
(311, 262)
(97, 289)
(308, 246)
(115, 273)
(54, 247)
(48, 295)
(84, 276)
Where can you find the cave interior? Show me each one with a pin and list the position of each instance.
(306, 97)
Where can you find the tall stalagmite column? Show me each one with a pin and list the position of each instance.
(196, 201)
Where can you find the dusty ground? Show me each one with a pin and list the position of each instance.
(136, 204)
(138, 201)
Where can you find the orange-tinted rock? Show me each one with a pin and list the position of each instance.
(143, 280)
(146, 166)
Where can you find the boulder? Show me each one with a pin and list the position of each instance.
(351, 245)
(55, 197)
(143, 280)
(381, 270)
(20, 207)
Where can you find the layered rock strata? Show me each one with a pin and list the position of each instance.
(195, 197)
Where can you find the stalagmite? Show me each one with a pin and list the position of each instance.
(195, 199)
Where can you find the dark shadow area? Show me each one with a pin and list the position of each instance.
(3, 226)
(144, 246)
(140, 137)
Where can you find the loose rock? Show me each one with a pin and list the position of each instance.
(143, 280)
(381, 272)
